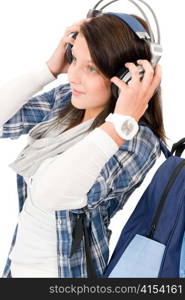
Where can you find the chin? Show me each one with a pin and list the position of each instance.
(77, 104)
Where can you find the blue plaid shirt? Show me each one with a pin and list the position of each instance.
(120, 176)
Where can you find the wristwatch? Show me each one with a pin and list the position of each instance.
(125, 126)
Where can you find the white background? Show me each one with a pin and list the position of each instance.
(29, 33)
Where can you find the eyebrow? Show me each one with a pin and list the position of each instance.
(88, 60)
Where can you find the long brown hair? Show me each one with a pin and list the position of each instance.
(111, 44)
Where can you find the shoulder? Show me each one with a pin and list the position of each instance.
(63, 90)
(61, 96)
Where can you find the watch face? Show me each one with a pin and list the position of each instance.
(127, 127)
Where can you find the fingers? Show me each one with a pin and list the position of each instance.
(134, 73)
(76, 26)
(69, 40)
(149, 72)
(118, 82)
(152, 76)
(157, 78)
(151, 79)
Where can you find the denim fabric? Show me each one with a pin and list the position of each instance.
(182, 260)
(142, 258)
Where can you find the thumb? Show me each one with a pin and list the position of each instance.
(118, 82)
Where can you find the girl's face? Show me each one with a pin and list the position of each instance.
(90, 88)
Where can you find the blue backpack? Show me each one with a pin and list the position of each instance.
(152, 242)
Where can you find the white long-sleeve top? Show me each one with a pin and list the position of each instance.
(95, 149)
(35, 254)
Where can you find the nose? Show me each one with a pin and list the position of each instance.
(74, 74)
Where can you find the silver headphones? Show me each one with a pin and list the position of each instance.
(139, 30)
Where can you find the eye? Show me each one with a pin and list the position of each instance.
(91, 69)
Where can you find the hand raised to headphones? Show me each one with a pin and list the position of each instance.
(134, 97)
(57, 63)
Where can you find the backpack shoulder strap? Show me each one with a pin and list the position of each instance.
(164, 149)
(178, 147)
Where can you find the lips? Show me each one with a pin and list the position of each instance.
(76, 92)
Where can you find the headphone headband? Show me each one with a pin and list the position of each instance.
(135, 26)
(133, 23)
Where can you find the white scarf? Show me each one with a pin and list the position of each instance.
(40, 148)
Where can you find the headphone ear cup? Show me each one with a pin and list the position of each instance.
(120, 74)
(114, 90)
(68, 54)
